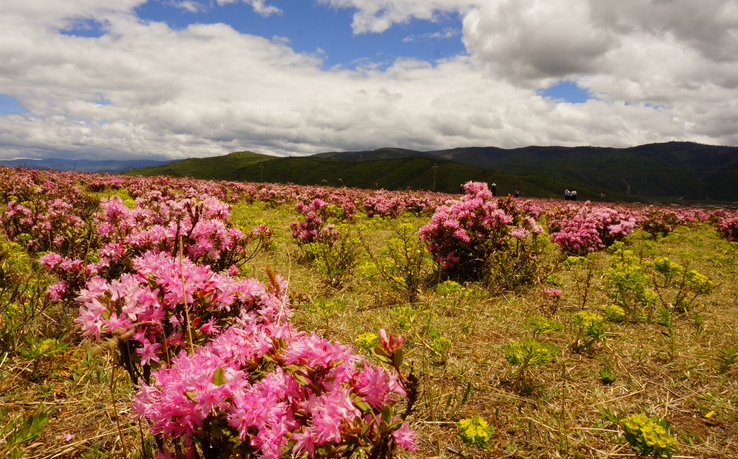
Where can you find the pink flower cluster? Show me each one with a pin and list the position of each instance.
(582, 229)
(148, 305)
(727, 225)
(316, 228)
(463, 234)
(278, 391)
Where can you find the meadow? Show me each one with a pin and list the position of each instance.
(173, 317)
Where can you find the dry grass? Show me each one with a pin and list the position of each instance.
(562, 412)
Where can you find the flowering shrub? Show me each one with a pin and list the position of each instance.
(44, 224)
(268, 391)
(319, 225)
(659, 222)
(165, 303)
(477, 236)
(649, 436)
(580, 230)
(727, 225)
(383, 204)
(475, 431)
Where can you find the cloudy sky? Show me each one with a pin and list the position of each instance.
(130, 79)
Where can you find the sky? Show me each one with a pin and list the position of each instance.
(173, 79)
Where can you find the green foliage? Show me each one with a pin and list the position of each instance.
(583, 269)
(628, 284)
(606, 375)
(725, 358)
(336, 258)
(589, 329)
(36, 348)
(649, 436)
(526, 354)
(614, 313)
(476, 431)
(678, 288)
(21, 429)
(540, 324)
(665, 319)
(402, 264)
(22, 297)
(367, 341)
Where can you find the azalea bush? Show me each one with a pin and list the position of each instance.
(268, 391)
(727, 225)
(579, 230)
(480, 237)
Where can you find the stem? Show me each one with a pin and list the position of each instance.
(184, 298)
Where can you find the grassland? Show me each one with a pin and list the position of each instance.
(456, 337)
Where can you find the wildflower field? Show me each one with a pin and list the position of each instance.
(160, 317)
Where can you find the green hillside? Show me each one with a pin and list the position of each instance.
(657, 171)
(392, 174)
(216, 167)
(665, 171)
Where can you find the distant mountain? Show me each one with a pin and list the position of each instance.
(374, 155)
(671, 171)
(85, 165)
(411, 172)
(664, 170)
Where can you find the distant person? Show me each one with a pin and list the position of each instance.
(602, 197)
(567, 194)
(573, 195)
(517, 191)
(493, 189)
(461, 189)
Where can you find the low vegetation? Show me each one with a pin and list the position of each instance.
(142, 315)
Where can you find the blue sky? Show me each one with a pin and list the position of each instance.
(186, 78)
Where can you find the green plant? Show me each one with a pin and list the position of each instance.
(589, 329)
(582, 273)
(726, 357)
(540, 324)
(614, 313)
(649, 436)
(475, 431)
(403, 263)
(606, 375)
(666, 320)
(678, 288)
(439, 344)
(628, 283)
(335, 256)
(21, 429)
(526, 354)
(367, 341)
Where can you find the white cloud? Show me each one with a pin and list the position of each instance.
(259, 6)
(208, 89)
(446, 33)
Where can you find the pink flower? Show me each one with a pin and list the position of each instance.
(405, 437)
(391, 343)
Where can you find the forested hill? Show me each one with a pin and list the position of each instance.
(667, 171)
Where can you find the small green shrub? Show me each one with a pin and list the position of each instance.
(649, 436)
(476, 431)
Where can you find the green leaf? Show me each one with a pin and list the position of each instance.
(219, 376)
